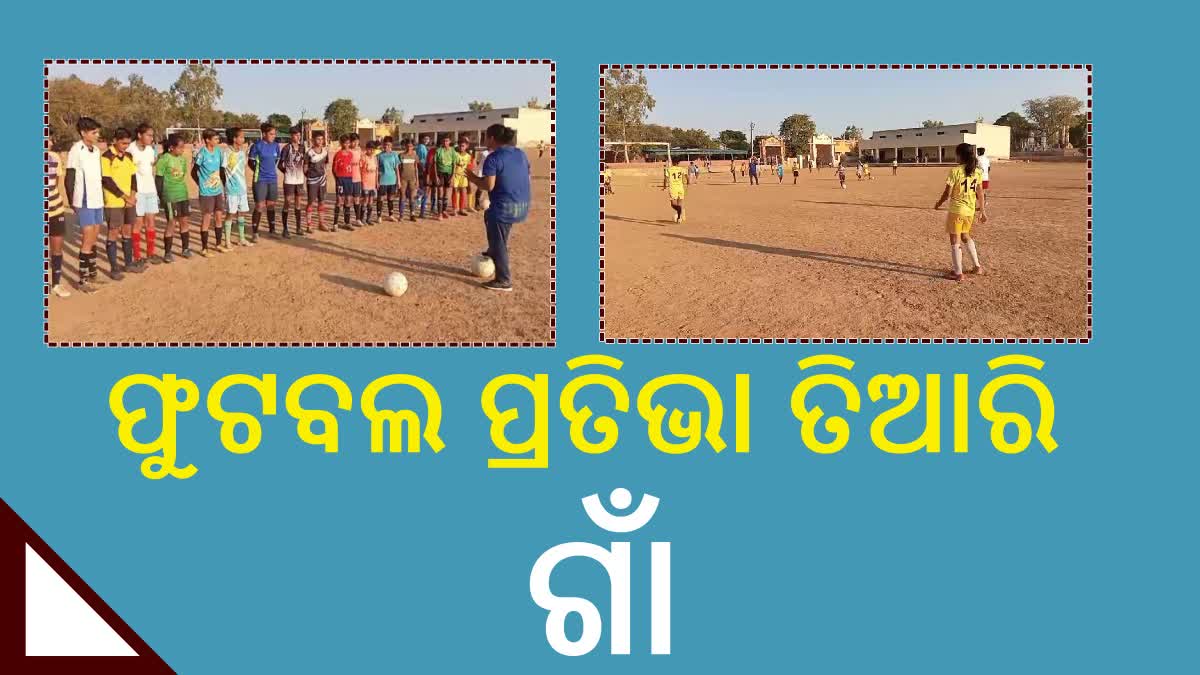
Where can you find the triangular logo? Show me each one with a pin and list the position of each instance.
(51, 621)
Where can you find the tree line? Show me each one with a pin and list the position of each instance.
(190, 102)
(1053, 121)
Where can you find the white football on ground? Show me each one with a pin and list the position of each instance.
(483, 267)
(395, 285)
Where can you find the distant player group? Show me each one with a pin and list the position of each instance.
(126, 186)
(965, 191)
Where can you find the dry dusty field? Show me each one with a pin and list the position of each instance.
(814, 261)
(323, 288)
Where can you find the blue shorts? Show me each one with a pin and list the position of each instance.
(89, 217)
(357, 189)
(266, 191)
(147, 204)
(345, 186)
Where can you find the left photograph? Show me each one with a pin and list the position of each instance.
(299, 203)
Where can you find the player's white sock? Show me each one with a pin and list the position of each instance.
(956, 256)
(974, 253)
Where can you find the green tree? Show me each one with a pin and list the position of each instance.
(112, 104)
(1063, 111)
(733, 139)
(140, 103)
(196, 93)
(927, 124)
(392, 115)
(691, 138)
(1019, 130)
(627, 101)
(1077, 134)
(281, 122)
(852, 133)
(534, 103)
(797, 131)
(479, 106)
(239, 120)
(341, 116)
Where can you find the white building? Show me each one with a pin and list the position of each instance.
(532, 125)
(934, 144)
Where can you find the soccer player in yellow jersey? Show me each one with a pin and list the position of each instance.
(675, 181)
(964, 189)
(463, 161)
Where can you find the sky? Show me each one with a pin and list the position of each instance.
(714, 100)
(415, 89)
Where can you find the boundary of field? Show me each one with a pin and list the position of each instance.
(856, 66)
(551, 106)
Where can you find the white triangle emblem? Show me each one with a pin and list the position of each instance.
(60, 623)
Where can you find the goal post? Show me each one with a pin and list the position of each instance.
(615, 145)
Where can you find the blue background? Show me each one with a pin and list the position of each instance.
(290, 560)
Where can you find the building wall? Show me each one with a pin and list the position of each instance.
(936, 143)
(531, 124)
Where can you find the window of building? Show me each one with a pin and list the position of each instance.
(918, 133)
(899, 135)
(504, 117)
(882, 136)
(483, 117)
(941, 133)
(441, 119)
(458, 119)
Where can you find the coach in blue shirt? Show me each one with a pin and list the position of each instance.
(506, 178)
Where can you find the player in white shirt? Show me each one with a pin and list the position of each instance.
(985, 165)
(84, 185)
(145, 154)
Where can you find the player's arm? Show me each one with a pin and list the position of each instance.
(69, 179)
(196, 172)
(159, 168)
(945, 196)
(252, 157)
(980, 199)
(107, 181)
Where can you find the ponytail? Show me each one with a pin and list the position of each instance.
(965, 152)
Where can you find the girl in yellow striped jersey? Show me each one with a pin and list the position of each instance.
(964, 189)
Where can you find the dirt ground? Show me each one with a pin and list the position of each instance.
(323, 288)
(815, 261)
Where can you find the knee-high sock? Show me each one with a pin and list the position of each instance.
(974, 253)
(56, 268)
(127, 249)
(185, 239)
(299, 219)
(218, 230)
(167, 241)
(956, 257)
(204, 239)
(271, 218)
(285, 218)
(423, 204)
(110, 247)
(137, 245)
(254, 221)
(228, 228)
(151, 232)
(242, 228)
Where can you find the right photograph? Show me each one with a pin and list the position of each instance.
(854, 202)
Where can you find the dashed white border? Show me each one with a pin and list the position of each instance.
(551, 106)
(857, 66)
